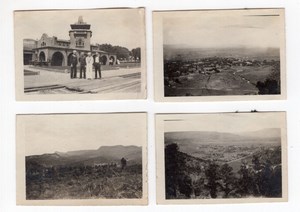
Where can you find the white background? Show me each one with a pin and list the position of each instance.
(9, 107)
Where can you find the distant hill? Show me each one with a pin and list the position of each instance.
(213, 136)
(190, 53)
(105, 154)
(265, 133)
(190, 141)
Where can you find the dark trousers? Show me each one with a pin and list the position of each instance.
(97, 70)
(82, 71)
(73, 71)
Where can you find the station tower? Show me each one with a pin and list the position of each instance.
(80, 35)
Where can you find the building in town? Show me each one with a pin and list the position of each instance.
(56, 52)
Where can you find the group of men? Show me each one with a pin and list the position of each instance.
(86, 64)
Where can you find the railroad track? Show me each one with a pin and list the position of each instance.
(109, 88)
(42, 88)
(133, 75)
(57, 88)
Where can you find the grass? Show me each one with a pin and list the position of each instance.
(112, 183)
(228, 82)
(255, 74)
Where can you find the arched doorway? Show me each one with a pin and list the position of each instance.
(57, 59)
(111, 60)
(104, 60)
(42, 57)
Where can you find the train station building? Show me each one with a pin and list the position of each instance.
(52, 51)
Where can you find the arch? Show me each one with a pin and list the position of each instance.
(104, 59)
(57, 59)
(42, 57)
(112, 60)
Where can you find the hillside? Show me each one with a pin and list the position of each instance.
(188, 177)
(222, 146)
(208, 137)
(105, 154)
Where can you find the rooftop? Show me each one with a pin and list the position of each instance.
(80, 24)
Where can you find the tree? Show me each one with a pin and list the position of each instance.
(212, 176)
(265, 180)
(228, 179)
(276, 182)
(257, 167)
(106, 47)
(185, 185)
(271, 180)
(272, 84)
(245, 181)
(269, 86)
(123, 163)
(175, 177)
(136, 54)
(198, 186)
(120, 51)
(267, 173)
(171, 169)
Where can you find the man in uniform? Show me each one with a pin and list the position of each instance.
(74, 62)
(82, 65)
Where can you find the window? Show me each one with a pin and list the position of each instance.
(79, 42)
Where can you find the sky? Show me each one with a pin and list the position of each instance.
(225, 122)
(50, 133)
(223, 29)
(123, 27)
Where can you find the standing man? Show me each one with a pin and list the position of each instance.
(74, 62)
(82, 62)
(97, 65)
(89, 66)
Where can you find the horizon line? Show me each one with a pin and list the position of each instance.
(231, 132)
(83, 149)
(236, 47)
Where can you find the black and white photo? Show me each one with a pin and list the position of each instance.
(219, 54)
(211, 158)
(80, 54)
(81, 159)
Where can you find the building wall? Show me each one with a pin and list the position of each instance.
(49, 55)
(46, 41)
(86, 39)
(29, 54)
(51, 45)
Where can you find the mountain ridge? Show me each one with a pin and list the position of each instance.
(133, 154)
(214, 135)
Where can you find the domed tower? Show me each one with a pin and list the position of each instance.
(80, 35)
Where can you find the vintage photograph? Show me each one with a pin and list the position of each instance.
(82, 159)
(97, 53)
(221, 158)
(219, 54)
